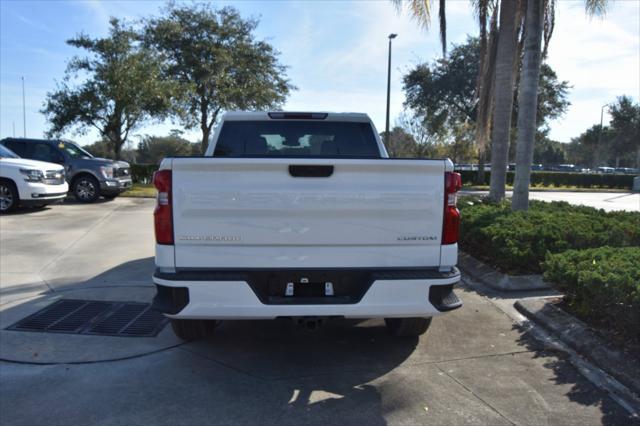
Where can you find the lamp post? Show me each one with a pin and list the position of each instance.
(600, 135)
(386, 127)
(24, 112)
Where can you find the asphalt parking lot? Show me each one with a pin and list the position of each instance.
(476, 365)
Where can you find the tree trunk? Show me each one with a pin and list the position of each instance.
(204, 119)
(205, 138)
(503, 105)
(527, 103)
(117, 148)
(481, 171)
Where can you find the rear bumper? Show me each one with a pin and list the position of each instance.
(234, 295)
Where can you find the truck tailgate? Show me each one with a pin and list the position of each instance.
(251, 212)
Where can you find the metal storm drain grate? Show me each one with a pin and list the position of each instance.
(95, 318)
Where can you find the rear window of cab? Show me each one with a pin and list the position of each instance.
(296, 139)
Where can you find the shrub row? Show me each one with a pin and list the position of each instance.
(578, 180)
(601, 285)
(143, 173)
(517, 242)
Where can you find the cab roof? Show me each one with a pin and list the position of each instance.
(294, 115)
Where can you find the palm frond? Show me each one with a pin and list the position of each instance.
(420, 11)
(596, 7)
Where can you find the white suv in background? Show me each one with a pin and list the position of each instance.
(29, 182)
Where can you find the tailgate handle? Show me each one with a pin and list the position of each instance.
(312, 171)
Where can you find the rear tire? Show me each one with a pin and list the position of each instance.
(193, 329)
(407, 327)
(86, 189)
(9, 199)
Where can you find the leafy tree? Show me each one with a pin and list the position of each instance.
(587, 149)
(104, 149)
(121, 88)
(547, 151)
(217, 63)
(101, 148)
(625, 127)
(401, 144)
(615, 145)
(152, 149)
(442, 95)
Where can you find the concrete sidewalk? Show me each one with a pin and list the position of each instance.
(608, 201)
(474, 366)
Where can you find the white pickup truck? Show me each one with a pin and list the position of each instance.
(304, 216)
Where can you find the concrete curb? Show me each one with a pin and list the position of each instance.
(581, 338)
(497, 280)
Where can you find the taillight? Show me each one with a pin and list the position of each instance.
(162, 215)
(451, 222)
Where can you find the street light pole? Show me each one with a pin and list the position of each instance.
(386, 127)
(24, 112)
(600, 134)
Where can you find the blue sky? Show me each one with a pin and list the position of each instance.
(336, 53)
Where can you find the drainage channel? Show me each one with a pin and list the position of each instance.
(91, 317)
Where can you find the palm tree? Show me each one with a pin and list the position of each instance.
(420, 10)
(528, 102)
(485, 79)
(539, 21)
(505, 65)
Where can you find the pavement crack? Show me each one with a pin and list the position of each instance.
(524, 351)
(468, 389)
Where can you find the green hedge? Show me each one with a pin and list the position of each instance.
(517, 242)
(601, 285)
(579, 180)
(143, 173)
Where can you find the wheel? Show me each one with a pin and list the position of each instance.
(8, 196)
(109, 196)
(193, 329)
(407, 327)
(86, 189)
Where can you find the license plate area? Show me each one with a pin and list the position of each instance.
(317, 288)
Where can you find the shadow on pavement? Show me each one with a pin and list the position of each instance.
(581, 390)
(317, 376)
